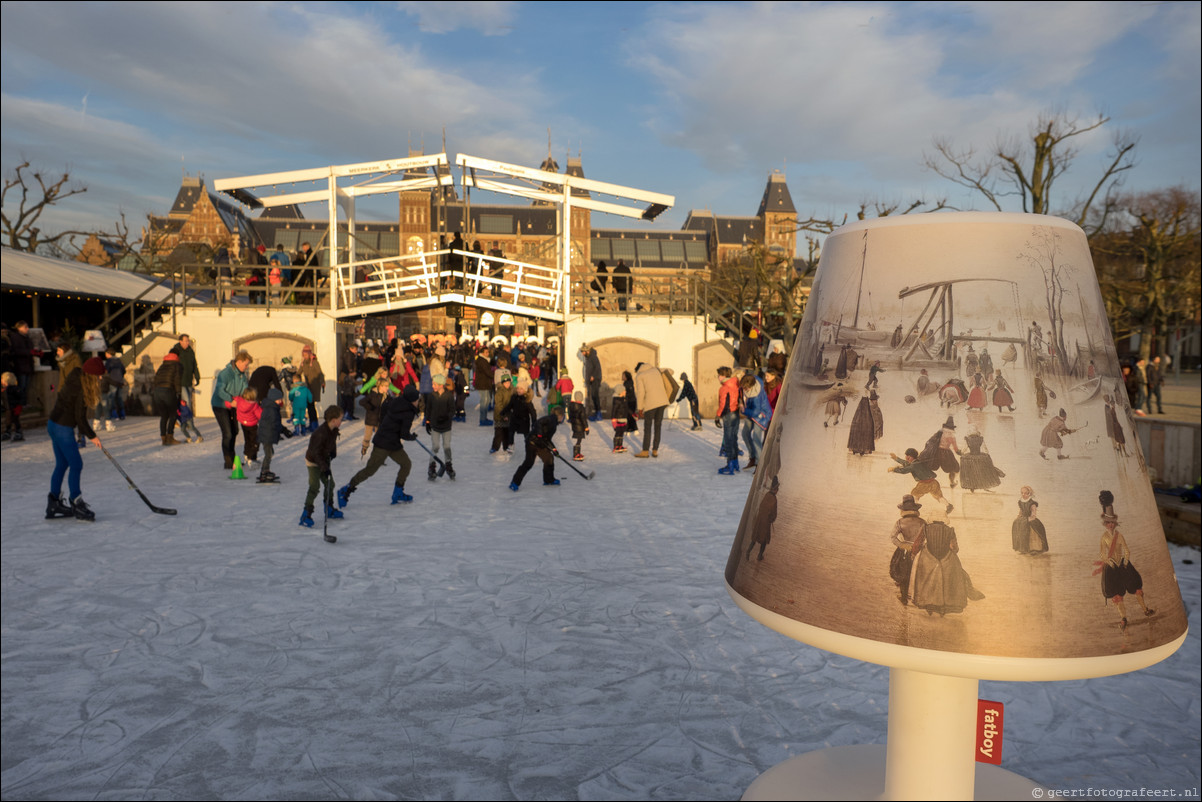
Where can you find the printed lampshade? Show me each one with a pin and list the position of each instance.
(951, 482)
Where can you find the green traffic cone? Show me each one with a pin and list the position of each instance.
(237, 472)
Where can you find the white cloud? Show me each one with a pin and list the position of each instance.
(869, 84)
(314, 81)
(488, 18)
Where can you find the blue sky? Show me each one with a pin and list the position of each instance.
(698, 100)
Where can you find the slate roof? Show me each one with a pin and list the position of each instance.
(673, 250)
(776, 197)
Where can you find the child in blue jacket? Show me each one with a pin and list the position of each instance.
(300, 397)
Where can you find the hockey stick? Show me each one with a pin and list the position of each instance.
(328, 498)
(134, 487)
(441, 465)
(564, 459)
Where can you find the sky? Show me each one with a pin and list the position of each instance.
(697, 100)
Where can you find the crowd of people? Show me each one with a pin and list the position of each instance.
(522, 393)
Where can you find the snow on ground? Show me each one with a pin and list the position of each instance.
(559, 643)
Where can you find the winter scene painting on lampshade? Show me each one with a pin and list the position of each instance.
(952, 462)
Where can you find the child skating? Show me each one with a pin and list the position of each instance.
(323, 448)
(578, 416)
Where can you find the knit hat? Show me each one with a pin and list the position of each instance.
(94, 366)
(171, 357)
(440, 379)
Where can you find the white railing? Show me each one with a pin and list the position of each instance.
(492, 280)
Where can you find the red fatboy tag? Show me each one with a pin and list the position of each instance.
(990, 716)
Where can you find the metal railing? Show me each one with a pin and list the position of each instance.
(657, 291)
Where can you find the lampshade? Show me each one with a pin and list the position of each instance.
(951, 482)
(93, 341)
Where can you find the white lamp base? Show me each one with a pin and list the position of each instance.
(858, 772)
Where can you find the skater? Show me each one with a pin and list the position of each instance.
(977, 471)
(348, 379)
(520, 413)
(249, 411)
(484, 384)
(904, 536)
(757, 414)
(1003, 394)
(21, 355)
(619, 416)
(579, 420)
(863, 436)
(632, 404)
(301, 400)
(189, 376)
(78, 395)
(765, 517)
(166, 396)
(323, 448)
(1119, 577)
(654, 390)
(396, 419)
(1027, 533)
(540, 445)
(592, 379)
(727, 419)
(502, 435)
(925, 481)
(228, 385)
(872, 375)
(271, 426)
(371, 398)
(458, 385)
(835, 403)
(689, 393)
(941, 450)
(10, 392)
(1052, 433)
(941, 585)
(440, 413)
(315, 379)
(561, 393)
(1041, 395)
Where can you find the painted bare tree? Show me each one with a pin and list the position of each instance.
(1042, 251)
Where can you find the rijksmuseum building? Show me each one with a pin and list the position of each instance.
(201, 222)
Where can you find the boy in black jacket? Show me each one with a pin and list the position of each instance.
(578, 416)
(539, 445)
(323, 448)
(396, 418)
(271, 425)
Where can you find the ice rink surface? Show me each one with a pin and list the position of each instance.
(558, 643)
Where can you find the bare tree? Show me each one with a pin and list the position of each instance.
(1029, 169)
(1042, 250)
(1149, 264)
(21, 230)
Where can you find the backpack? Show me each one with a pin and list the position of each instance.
(670, 386)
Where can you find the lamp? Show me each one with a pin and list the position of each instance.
(93, 341)
(950, 486)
